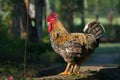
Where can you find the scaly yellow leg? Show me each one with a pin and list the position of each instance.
(71, 68)
(67, 69)
(76, 69)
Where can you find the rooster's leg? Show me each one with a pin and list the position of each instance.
(71, 68)
(76, 69)
(67, 70)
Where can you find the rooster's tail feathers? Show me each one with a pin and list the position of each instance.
(94, 29)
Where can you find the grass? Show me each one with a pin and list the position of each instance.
(103, 45)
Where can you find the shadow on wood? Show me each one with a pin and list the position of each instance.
(51, 71)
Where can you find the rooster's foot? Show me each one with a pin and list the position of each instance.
(65, 73)
(77, 72)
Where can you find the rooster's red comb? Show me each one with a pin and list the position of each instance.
(53, 15)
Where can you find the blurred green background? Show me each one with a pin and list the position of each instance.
(23, 29)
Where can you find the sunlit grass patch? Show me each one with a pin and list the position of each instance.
(110, 45)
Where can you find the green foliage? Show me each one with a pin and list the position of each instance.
(12, 51)
(5, 14)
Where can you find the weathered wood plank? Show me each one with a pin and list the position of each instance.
(88, 73)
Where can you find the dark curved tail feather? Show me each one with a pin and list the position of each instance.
(94, 30)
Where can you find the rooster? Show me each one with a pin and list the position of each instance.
(75, 48)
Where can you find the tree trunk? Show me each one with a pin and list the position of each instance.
(86, 7)
(39, 4)
(15, 21)
(23, 20)
(82, 14)
(31, 28)
(48, 10)
(70, 9)
(18, 23)
(119, 6)
(70, 20)
(97, 10)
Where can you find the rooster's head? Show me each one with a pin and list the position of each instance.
(51, 19)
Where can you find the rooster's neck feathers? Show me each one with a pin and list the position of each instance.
(58, 30)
